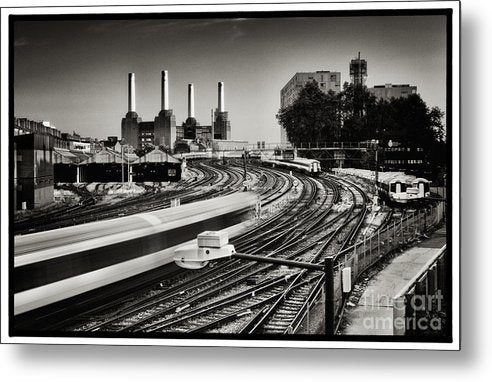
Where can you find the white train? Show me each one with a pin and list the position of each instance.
(394, 186)
(59, 264)
(307, 166)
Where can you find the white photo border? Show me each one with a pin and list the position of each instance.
(217, 8)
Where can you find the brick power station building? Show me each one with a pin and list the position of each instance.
(163, 131)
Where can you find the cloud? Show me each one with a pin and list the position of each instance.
(235, 33)
(148, 27)
(22, 41)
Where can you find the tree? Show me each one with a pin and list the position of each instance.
(355, 115)
(355, 104)
(409, 121)
(313, 117)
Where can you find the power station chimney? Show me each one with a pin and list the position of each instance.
(164, 90)
(191, 101)
(221, 97)
(131, 92)
(212, 123)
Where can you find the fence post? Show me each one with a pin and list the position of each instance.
(307, 317)
(370, 248)
(399, 316)
(364, 250)
(425, 218)
(329, 311)
(356, 260)
(379, 244)
(402, 233)
(394, 234)
(433, 279)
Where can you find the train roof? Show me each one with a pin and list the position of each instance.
(62, 241)
(305, 160)
(421, 180)
(385, 177)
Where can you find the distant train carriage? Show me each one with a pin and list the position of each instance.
(307, 166)
(396, 187)
(156, 172)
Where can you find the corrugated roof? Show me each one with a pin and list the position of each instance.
(157, 156)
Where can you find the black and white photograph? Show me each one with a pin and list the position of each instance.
(268, 175)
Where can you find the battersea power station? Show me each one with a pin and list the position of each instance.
(163, 131)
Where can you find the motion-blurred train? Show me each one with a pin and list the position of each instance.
(55, 265)
(396, 187)
(307, 166)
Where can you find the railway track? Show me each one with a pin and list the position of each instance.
(235, 296)
(88, 210)
(246, 274)
(275, 186)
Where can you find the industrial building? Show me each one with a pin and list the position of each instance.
(326, 81)
(34, 145)
(109, 165)
(163, 131)
(358, 71)
(388, 91)
(157, 166)
(23, 126)
(33, 170)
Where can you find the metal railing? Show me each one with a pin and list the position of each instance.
(421, 298)
(365, 253)
(309, 146)
(368, 251)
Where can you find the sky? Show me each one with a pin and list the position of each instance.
(74, 73)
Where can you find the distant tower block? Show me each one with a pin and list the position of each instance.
(165, 122)
(129, 124)
(221, 97)
(191, 101)
(358, 71)
(164, 91)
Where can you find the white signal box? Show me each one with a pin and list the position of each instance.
(347, 279)
(213, 239)
(211, 245)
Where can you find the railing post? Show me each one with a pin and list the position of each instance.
(370, 248)
(399, 308)
(425, 219)
(394, 234)
(329, 309)
(420, 296)
(356, 260)
(402, 232)
(379, 248)
(307, 317)
(364, 250)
